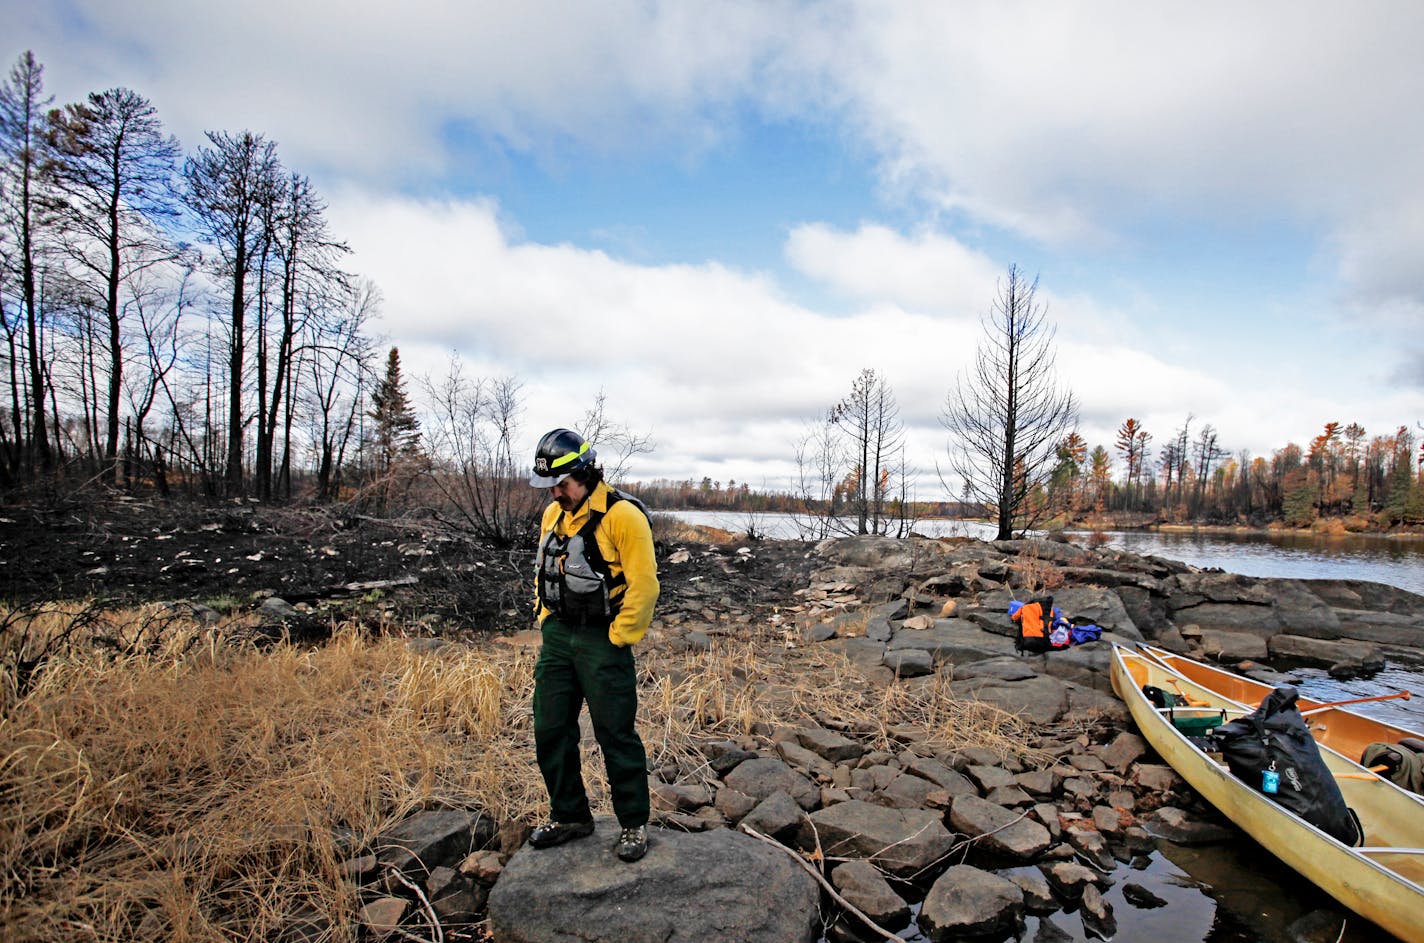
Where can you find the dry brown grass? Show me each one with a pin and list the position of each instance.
(202, 791)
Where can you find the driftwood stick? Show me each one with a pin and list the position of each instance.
(823, 882)
(425, 905)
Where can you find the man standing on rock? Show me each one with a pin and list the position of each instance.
(596, 584)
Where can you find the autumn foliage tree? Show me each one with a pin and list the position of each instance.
(1131, 444)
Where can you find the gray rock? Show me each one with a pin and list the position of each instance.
(864, 653)
(990, 777)
(1040, 699)
(761, 777)
(966, 901)
(860, 883)
(1176, 825)
(1097, 914)
(1006, 668)
(903, 842)
(1037, 548)
(1191, 589)
(1232, 646)
(1009, 797)
(1382, 628)
(1070, 878)
(878, 629)
(428, 839)
(907, 791)
(744, 889)
(1091, 605)
(1154, 777)
(955, 783)
(456, 899)
(1047, 815)
(873, 553)
(382, 915)
(679, 797)
(909, 663)
(998, 829)
(724, 763)
(1037, 782)
(803, 760)
(276, 610)
(957, 641)
(1325, 652)
(1260, 619)
(777, 816)
(1108, 821)
(1037, 895)
(1124, 750)
(1362, 595)
(1091, 844)
(827, 743)
(734, 805)
(1146, 606)
(1141, 898)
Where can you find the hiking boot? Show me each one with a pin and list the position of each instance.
(556, 833)
(632, 843)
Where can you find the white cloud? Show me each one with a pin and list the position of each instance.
(371, 88)
(927, 273)
(1065, 122)
(714, 362)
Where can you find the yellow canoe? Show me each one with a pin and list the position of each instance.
(1339, 728)
(1380, 881)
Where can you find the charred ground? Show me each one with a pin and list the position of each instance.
(418, 570)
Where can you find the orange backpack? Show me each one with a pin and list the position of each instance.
(1034, 619)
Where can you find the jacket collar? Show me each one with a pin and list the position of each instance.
(597, 500)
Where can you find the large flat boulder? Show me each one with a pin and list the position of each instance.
(1363, 595)
(726, 886)
(1325, 652)
(1040, 699)
(956, 641)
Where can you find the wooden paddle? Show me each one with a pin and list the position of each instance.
(1191, 701)
(1401, 695)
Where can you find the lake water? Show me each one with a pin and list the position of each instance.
(1233, 892)
(1397, 562)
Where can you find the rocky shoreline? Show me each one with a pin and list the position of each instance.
(810, 831)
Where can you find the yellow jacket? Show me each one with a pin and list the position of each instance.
(626, 541)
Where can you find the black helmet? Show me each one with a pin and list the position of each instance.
(559, 453)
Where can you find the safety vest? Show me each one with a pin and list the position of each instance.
(575, 583)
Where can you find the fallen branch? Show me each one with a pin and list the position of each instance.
(425, 903)
(851, 908)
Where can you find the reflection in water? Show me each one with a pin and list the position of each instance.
(1259, 898)
(1396, 562)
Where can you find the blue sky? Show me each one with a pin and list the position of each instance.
(720, 212)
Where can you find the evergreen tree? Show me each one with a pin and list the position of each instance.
(397, 429)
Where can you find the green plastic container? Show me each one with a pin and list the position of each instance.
(1195, 721)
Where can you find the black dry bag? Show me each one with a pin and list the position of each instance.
(1272, 751)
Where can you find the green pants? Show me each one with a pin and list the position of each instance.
(578, 664)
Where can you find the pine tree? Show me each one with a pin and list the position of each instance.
(397, 429)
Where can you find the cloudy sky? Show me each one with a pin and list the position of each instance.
(718, 213)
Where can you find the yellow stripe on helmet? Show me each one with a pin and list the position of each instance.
(571, 456)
